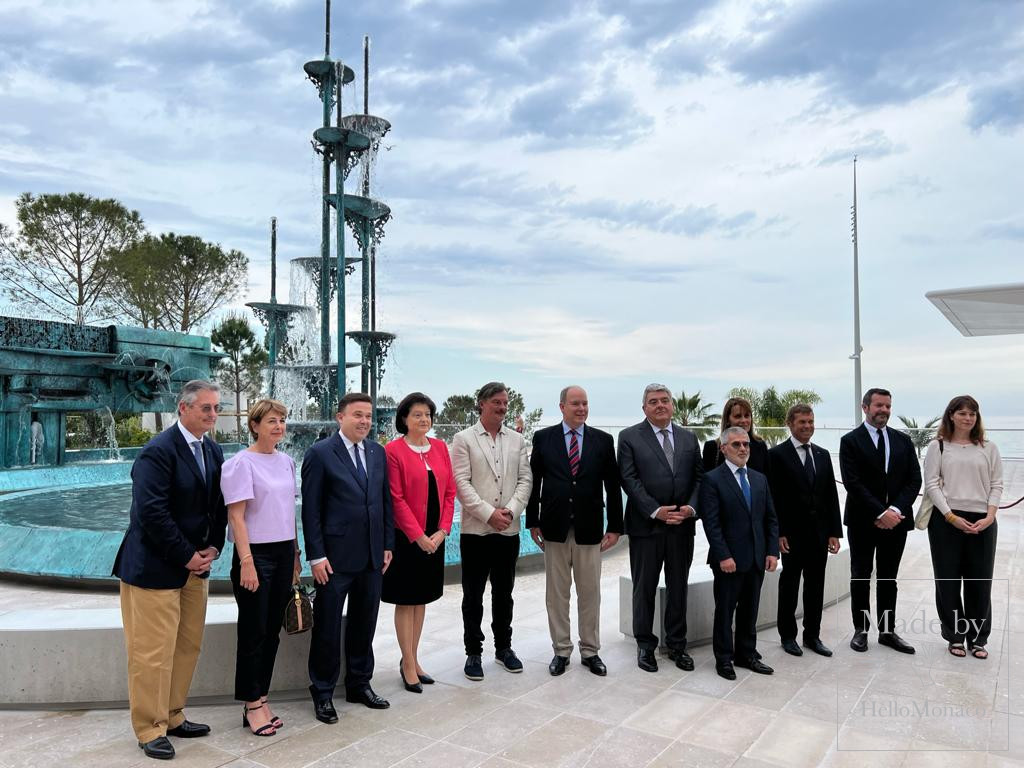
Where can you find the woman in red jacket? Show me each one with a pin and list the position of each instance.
(423, 497)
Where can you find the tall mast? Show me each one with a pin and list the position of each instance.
(857, 349)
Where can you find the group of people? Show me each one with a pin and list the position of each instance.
(375, 520)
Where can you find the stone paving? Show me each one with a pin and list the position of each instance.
(879, 708)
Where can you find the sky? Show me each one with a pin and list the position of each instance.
(599, 193)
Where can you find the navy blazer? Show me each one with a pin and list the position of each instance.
(359, 520)
(174, 513)
(804, 509)
(869, 490)
(745, 535)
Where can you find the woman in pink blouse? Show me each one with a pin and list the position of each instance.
(259, 490)
(423, 497)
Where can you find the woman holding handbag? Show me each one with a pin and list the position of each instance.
(963, 479)
(259, 490)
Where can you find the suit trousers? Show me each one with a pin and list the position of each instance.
(963, 559)
(163, 632)
(647, 555)
(565, 562)
(807, 557)
(260, 615)
(486, 557)
(736, 595)
(870, 546)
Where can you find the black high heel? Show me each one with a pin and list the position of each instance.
(426, 679)
(410, 687)
(263, 729)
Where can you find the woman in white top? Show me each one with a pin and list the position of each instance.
(963, 477)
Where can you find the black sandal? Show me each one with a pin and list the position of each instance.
(979, 652)
(275, 721)
(957, 649)
(263, 730)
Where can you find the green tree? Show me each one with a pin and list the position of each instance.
(920, 436)
(459, 411)
(59, 260)
(770, 408)
(694, 414)
(241, 371)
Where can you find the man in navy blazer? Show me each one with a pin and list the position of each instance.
(743, 533)
(175, 531)
(349, 531)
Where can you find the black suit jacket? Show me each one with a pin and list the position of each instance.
(758, 459)
(559, 500)
(650, 483)
(335, 503)
(174, 514)
(804, 508)
(869, 489)
(748, 536)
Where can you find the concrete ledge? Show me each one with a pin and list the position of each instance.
(700, 599)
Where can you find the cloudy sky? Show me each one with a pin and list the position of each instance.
(594, 192)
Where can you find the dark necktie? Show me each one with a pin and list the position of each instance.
(744, 485)
(808, 463)
(880, 449)
(574, 453)
(360, 469)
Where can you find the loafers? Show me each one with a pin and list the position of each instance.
(724, 669)
(645, 660)
(682, 659)
(473, 670)
(595, 665)
(367, 697)
(754, 666)
(894, 641)
(790, 647)
(859, 641)
(159, 748)
(189, 730)
(507, 658)
(324, 711)
(558, 665)
(818, 647)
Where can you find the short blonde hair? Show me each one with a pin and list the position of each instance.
(262, 408)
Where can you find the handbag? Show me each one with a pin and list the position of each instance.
(924, 511)
(298, 612)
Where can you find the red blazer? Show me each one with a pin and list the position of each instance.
(409, 486)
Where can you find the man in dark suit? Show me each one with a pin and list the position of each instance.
(176, 529)
(660, 467)
(349, 530)
(572, 465)
(803, 487)
(739, 520)
(882, 477)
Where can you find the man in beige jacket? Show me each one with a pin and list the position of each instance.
(493, 481)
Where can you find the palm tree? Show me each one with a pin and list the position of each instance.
(695, 415)
(770, 408)
(920, 436)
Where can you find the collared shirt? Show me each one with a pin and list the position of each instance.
(497, 445)
(804, 455)
(659, 436)
(735, 473)
(566, 429)
(189, 437)
(361, 445)
(874, 432)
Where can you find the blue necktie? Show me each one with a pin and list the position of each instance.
(360, 469)
(744, 485)
(197, 451)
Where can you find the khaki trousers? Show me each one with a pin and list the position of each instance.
(563, 563)
(163, 631)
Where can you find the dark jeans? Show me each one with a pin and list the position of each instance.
(967, 560)
(260, 615)
(869, 544)
(807, 557)
(487, 557)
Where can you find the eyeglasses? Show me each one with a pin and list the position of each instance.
(208, 409)
(739, 444)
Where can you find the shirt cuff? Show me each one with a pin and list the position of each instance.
(654, 514)
(317, 560)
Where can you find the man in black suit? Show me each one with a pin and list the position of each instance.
(803, 487)
(882, 477)
(176, 529)
(349, 531)
(572, 465)
(739, 520)
(661, 469)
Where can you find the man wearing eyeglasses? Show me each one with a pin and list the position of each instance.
(176, 530)
(743, 533)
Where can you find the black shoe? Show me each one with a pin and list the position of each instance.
(859, 641)
(189, 730)
(410, 687)
(790, 647)
(724, 669)
(682, 659)
(645, 660)
(426, 679)
(757, 655)
(558, 665)
(323, 708)
(507, 658)
(367, 697)
(818, 647)
(159, 748)
(754, 666)
(474, 670)
(595, 665)
(894, 641)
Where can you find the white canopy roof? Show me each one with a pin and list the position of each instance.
(983, 311)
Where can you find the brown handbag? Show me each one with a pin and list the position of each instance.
(298, 612)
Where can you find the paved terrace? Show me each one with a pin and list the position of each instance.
(879, 708)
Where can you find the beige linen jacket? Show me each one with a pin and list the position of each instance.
(481, 487)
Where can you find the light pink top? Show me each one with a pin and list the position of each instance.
(267, 482)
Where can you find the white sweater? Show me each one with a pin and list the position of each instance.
(972, 476)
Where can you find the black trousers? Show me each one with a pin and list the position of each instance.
(647, 556)
(963, 560)
(487, 557)
(260, 615)
(736, 595)
(870, 546)
(807, 557)
(362, 590)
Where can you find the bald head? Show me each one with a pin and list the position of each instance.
(572, 402)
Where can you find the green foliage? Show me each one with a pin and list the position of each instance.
(770, 408)
(920, 436)
(459, 412)
(694, 414)
(59, 261)
(91, 429)
(241, 372)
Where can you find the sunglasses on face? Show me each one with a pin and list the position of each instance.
(739, 444)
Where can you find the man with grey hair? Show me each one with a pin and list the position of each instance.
(176, 529)
(661, 470)
(493, 482)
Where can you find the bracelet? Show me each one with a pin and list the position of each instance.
(949, 517)
(247, 557)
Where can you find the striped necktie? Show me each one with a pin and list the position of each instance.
(574, 453)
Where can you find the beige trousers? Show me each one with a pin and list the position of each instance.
(163, 631)
(565, 562)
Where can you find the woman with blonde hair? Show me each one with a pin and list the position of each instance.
(737, 413)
